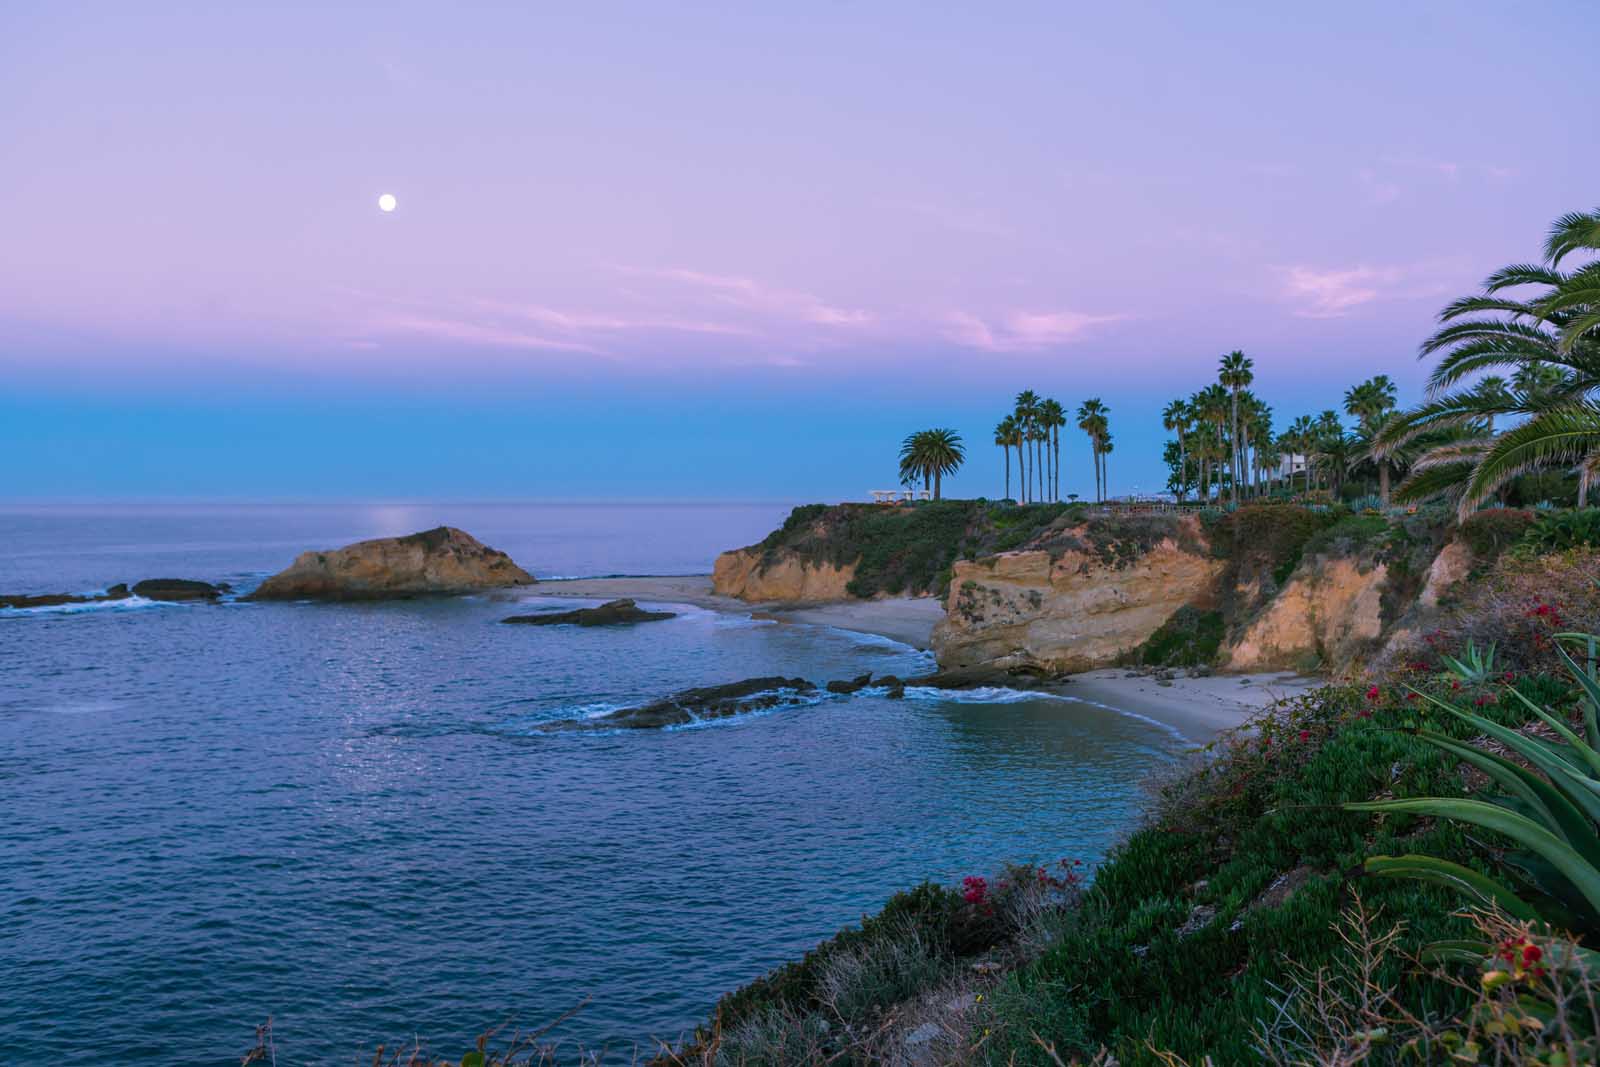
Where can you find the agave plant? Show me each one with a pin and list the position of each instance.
(1551, 811)
(1474, 667)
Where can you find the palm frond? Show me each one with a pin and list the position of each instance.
(1571, 232)
(1556, 437)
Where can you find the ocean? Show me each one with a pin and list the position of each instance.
(345, 818)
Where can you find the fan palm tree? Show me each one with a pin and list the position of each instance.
(931, 454)
(1370, 404)
(1026, 413)
(1211, 407)
(1257, 430)
(1092, 420)
(1175, 419)
(1234, 371)
(1005, 435)
(1300, 438)
(1052, 416)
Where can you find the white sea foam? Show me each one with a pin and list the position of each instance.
(130, 603)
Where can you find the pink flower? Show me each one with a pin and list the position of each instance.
(974, 890)
(1374, 693)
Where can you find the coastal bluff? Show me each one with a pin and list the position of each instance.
(436, 562)
(1067, 588)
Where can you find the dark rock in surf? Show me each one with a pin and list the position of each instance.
(854, 685)
(616, 613)
(696, 705)
(177, 589)
(51, 600)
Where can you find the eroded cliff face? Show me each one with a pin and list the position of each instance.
(1066, 612)
(747, 574)
(1330, 613)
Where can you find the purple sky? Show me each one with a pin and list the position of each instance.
(823, 228)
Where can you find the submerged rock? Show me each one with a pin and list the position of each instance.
(615, 613)
(695, 705)
(435, 562)
(178, 589)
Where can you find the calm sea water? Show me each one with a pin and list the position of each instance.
(341, 815)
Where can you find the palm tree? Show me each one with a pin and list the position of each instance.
(1234, 371)
(1175, 419)
(1026, 414)
(931, 454)
(1005, 435)
(1299, 438)
(1052, 416)
(1550, 342)
(1211, 406)
(1257, 431)
(1092, 420)
(1370, 404)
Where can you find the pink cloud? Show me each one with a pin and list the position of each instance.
(1021, 331)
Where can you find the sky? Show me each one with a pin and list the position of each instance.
(731, 251)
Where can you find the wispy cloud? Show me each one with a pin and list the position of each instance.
(750, 295)
(583, 322)
(462, 331)
(1021, 331)
(1331, 294)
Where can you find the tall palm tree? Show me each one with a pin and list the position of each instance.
(1005, 435)
(1092, 420)
(932, 454)
(1211, 406)
(1175, 419)
(1301, 435)
(1027, 414)
(1234, 371)
(1257, 430)
(1052, 416)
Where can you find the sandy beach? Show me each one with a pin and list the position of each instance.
(909, 620)
(1198, 707)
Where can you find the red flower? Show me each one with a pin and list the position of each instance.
(974, 890)
(1455, 684)
(1531, 954)
(1305, 735)
(1374, 693)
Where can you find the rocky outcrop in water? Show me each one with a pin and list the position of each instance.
(435, 562)
(169, 589)
(696, 705)
(51, 600)
(614, 613)
(177, 589)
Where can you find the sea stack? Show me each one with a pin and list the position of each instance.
(436, 562)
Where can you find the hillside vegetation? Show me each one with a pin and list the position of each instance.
(1238, 924)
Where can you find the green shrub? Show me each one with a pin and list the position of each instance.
(940, 920)
(1190, 638)
(1348, 536)
(1558, 531)
(1489, 533)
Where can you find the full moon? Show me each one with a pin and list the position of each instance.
(387, 202)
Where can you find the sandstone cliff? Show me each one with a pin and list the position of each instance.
(1071, 610)
(439, 561)
(747, 574)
